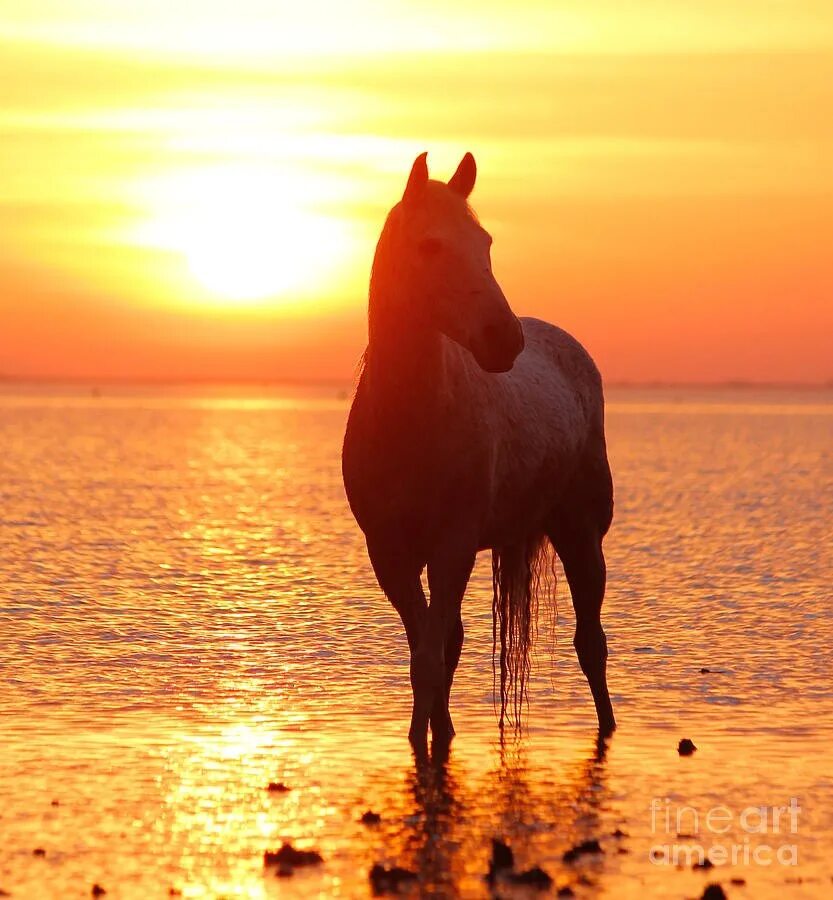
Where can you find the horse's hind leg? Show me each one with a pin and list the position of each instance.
(579, 546)
(453, 648)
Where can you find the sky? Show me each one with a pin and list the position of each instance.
(194, 190)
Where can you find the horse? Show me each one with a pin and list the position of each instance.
(471, 429)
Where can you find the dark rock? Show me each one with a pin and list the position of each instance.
(713, 892)
(618, 833)
(39, 851)
(289, 856)
(582, 849)
(686, 747)
(705, 671)
(737, 881)
(503, 859)
(566, 891)
(535, 877)
(55, 803)
(370, 818)
(389, 881)
(502, 855)
(97, 890)
(278, 787)
(706, 864)
(174, 892)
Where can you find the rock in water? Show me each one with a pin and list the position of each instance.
(714, 892)
(389, 881)
(535, 877)
(291, 857)
(503, 859)
(686, 747)
(502, 855)
(582, 849)
(370, 818)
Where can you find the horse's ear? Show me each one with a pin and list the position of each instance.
(417, 179)
(462, 181)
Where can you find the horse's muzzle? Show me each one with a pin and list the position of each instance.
(498, 345)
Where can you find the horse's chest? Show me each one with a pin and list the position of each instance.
(411, 478)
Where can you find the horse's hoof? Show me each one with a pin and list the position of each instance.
(418, 738)
(443, 731)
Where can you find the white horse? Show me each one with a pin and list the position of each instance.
(470, 430)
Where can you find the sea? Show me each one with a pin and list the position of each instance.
(188, 615)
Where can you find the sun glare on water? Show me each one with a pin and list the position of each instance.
(246, 234)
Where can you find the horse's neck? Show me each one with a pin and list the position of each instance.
(405, 368)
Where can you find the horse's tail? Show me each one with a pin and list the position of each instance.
(521, 574)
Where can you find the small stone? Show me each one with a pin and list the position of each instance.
(174, 892)
(39, 851)
(97, 890)
(503, 859)
(618, 833)
(389, 881)
(502, 855)
(289, 856)
(582, 849)
(737, 881)
(55, 803)
(705, 671)
(278, 787)
(686, 747)
(535, 877)
(370, 818)
(706, 864)
(713, 892)
(566, 891)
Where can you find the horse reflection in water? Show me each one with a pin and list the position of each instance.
(447, 832)
(472, 429)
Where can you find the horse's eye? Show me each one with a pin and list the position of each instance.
(430, 246)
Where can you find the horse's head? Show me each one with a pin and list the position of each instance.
(443, 261)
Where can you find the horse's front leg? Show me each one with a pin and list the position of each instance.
(398, 572)
(435, 659)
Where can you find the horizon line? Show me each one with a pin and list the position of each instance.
(289, 381)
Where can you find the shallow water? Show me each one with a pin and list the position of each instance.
(188, 614)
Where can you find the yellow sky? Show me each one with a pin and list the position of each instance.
(194, 189)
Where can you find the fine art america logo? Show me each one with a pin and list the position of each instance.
(754, 836)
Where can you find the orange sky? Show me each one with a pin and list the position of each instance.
(195, 189)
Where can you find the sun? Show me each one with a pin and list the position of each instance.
(246, 234)
(248, 253)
